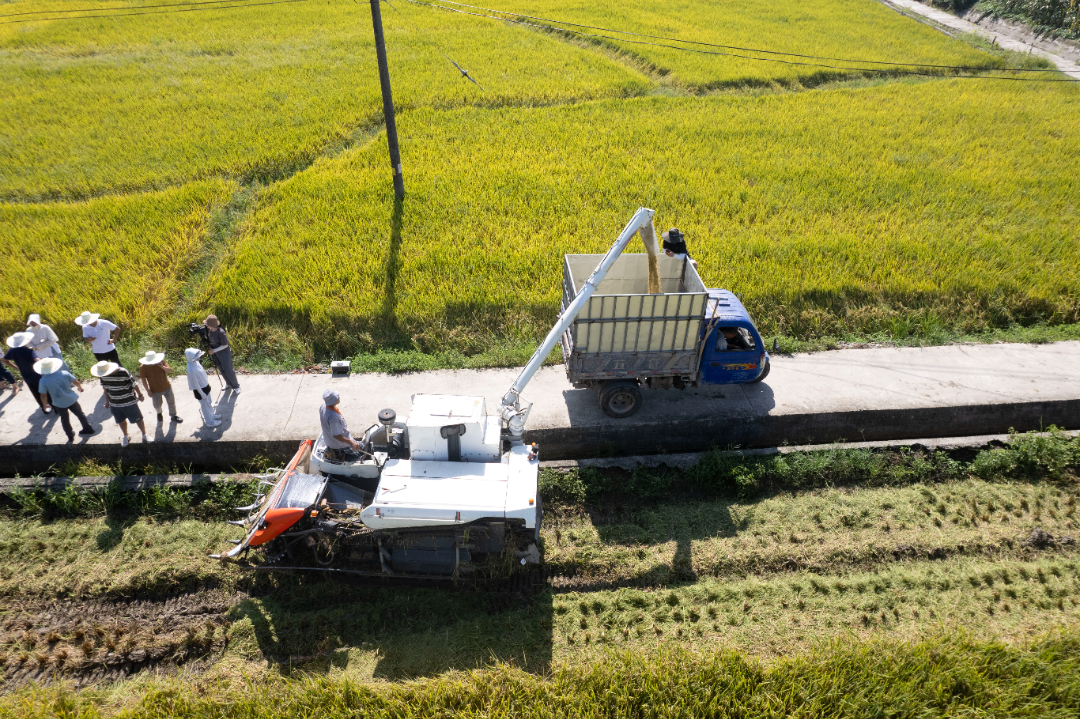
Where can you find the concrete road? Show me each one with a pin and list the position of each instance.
(1065, 65)
(853, 394)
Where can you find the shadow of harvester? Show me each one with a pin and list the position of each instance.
(319, 624)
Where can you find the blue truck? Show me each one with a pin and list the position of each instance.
(626, 339)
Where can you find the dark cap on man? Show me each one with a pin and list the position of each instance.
(675, 241)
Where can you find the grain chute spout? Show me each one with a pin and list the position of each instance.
(652, 249)
(511, 409)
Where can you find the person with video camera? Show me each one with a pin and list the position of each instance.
(220, 351)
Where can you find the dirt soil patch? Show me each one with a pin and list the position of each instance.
(89, 642)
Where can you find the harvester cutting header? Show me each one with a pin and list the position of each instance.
(452, 490)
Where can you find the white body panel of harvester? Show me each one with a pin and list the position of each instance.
(416, 493)
(480, 442)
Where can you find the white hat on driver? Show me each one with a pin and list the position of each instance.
(34, 319)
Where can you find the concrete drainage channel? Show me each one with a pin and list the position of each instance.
(960, 448)
(672, 432)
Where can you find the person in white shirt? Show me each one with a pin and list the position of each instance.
(199, 384)
(98, 333)
(45, 342)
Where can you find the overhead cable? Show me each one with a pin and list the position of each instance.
(733, 47)
(464, 73)
(109, 9)
(238, 4)
(435, 4)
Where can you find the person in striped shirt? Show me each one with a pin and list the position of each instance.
(121, 392)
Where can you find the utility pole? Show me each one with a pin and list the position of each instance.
(387, 100)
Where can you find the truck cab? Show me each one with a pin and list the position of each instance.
(737, 360)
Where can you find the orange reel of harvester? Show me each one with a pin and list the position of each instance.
(274, 523)
(278, 520)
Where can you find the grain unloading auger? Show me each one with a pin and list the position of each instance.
(450, 492)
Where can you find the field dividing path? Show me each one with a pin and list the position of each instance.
(1068, 67)
(851, 394)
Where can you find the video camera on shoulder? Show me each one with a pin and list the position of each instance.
(202, 330)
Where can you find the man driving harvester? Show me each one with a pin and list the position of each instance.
(335, 429)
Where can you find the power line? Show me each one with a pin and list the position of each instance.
(738, 56)
(107, 9)
(464, 73)
(731, 47)
(154, 12)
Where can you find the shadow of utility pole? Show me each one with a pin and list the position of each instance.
(388, 311)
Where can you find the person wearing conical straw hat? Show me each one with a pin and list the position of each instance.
(221, 352)
(21, 357)
(120, 397)
(45, 342)
(199, 384)
(154, 373)
(57, 382)
(98, 333)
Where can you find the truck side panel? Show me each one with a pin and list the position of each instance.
(625, 332)
(631, 365)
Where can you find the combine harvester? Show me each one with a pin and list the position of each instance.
(452, 491)
(449, 493)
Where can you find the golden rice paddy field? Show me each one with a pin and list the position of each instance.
(155, 167)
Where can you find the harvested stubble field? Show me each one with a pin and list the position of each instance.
(793, 577)
(875, 204)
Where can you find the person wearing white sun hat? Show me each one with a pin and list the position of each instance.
(21, 357)
(57, 382)
(120, 397)
(154, 373)
(199, 384)
(98, 333)
(45, 342)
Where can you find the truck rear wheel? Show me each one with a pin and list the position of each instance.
(763, 375)
(620, 399)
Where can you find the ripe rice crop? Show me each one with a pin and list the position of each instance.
(92, 106)
(828, 28)
(950, 203)
(114, 105)
(955, 675)
(124, 257)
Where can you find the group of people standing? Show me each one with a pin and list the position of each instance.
(37, 356)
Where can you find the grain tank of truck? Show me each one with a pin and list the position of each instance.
(450, 492)
(653, 324)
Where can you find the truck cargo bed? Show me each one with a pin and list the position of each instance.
(623, 331)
